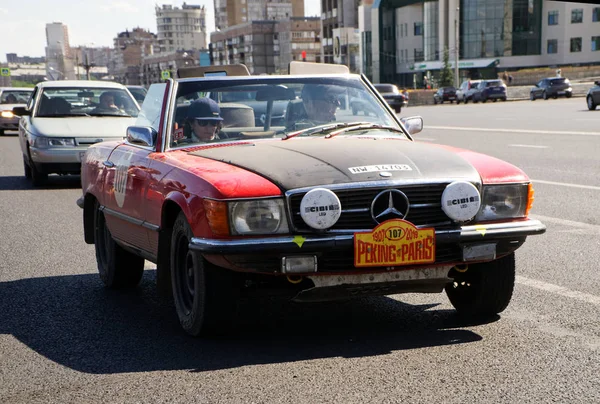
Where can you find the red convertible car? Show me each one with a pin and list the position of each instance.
(325, 205)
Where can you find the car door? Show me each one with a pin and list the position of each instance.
(25, 122)
(130, 177)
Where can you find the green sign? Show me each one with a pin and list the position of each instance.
(165, 74)
(5, 71)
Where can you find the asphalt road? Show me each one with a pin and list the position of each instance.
(64, 338)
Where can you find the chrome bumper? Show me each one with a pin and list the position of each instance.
(313, 243)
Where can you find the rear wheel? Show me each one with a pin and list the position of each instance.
(397, 109)
(569, 95)
(434, 101)
(484, 289)
(206, 296)
(545, 95)
(590, 103)
(118, 268)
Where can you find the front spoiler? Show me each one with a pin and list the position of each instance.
(314, 243)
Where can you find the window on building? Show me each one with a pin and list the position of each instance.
(553, 17)
(595, 43)
(418, 28)
(552, 46)
(575, 44)
(596, 14)
(577, 16)
(419, 55)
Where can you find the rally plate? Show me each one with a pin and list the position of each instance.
(392, 243)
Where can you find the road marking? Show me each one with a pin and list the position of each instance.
(529, 145)
(591, 229)
(425, 139)
(541, 132)
(567, 184)
(558, 290)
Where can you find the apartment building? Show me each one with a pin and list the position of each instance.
(339, 22)
(181, 28)
(229, 13)
(59, 62)
(408, 42)
(130, 49)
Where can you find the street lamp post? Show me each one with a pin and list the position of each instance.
(457, 45)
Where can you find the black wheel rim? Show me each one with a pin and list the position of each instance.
(186, 276)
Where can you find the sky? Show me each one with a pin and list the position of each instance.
(90, 22)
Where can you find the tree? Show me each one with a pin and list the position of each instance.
(446, 74)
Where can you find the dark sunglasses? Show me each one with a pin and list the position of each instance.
(204, 122)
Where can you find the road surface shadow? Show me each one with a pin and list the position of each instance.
(20, 183)
(76, 322)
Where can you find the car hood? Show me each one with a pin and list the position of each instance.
(299, 163)
(98, 127)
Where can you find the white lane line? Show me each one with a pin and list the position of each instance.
(590, 229)
(533, 146)
(541, 132)
(566, 184)
(558, 290)
(425, 139)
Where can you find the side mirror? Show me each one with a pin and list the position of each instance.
(141, 135)
(20, 111)
(413, 124)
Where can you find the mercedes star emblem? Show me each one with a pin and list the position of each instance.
(389, 204)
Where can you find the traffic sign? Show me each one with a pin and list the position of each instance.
(5, 71)
(165, 74)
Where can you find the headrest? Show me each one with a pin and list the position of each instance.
(237, 115)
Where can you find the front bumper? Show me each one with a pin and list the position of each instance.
(264, 254)
(61, 155)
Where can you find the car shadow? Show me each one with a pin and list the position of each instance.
(19, 183)
(76, 322)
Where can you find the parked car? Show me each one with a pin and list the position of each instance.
(593, 96)
(392, 96)
(11, 97)
(466, 90)
(313, 211)
(490, 90)
(63, 118)
(551, 87)
(138, 92)
(444, 94)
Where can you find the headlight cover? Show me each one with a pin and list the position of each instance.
(503, 202)
(261, 216)
(44, 142)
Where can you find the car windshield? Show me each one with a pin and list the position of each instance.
(276, 108)
(386, 88)
(494, 83)
(79, 101)
(14, 96)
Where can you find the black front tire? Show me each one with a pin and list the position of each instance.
(26, 169)
(545, 95)
(590, 103)
(37, 177)
(568, 95)
(484, 289)
(117, 267)
(206, 297)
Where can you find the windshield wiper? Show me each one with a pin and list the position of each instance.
(323, 128)
(364, 126)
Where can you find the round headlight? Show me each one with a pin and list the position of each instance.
(461, 201)
(320, 208)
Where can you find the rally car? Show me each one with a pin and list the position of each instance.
(316, 208)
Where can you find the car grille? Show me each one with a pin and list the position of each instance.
(425, 207)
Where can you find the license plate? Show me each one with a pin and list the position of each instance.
(393, 243)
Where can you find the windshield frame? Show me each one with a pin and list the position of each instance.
(206, 84)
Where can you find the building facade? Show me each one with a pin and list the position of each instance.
(298, 38)
(337, 46)
(130, 49)
(59, 62)
(408, 38)
(229, 13)
(181, 29)
(14, 58)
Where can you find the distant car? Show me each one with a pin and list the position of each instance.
(11, 97)
(490, 90)
(63, 118)
(392, 96)
(444, 94)
(551, 87)
(466, 90)
(138, 92)
(593, 96)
